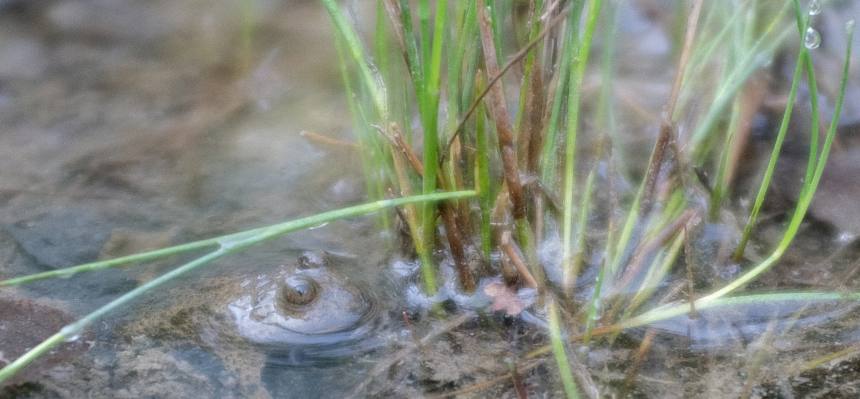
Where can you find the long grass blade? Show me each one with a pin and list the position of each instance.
(226, 245)
(580, 61)
(558, 351)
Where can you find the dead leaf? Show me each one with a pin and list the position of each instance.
(504, 298)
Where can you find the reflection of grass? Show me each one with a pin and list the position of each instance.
(449, 67)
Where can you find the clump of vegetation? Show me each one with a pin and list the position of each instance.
(521, 160)
(474, 177)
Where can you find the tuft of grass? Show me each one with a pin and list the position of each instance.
(647, 229)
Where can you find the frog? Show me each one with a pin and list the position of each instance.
(306, 309)
(263, 320)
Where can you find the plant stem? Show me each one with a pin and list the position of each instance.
(578, 64)
(558, 352)
(355, 48)
(124, 260)
(482, 176)
(429, 104)
(771, 164)
(229, 238)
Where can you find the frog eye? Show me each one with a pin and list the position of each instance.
(298, 291)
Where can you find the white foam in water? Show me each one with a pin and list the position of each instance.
(549, 254)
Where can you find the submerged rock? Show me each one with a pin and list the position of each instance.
(26, 323)
(836, 199)
(62, 237)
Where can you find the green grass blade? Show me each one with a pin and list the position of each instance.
(771, 164)
(557, 342)
(415, 65)
(578, 66)
(229, 244)
(548, 155)
(811, 81)
(670, 311)
(482, 171)
(430, 118)
(232, 238)
(356, 49)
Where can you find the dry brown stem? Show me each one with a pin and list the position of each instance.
(499, 113)
(666, 138)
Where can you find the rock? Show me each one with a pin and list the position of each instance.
(25, 324)
(62, 237)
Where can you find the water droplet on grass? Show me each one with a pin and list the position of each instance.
(66, 274)
(71, 333)
(812, 39)
(814, 7)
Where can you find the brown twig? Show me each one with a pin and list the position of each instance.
(508, 272)
(519, 388)
(543, 192)
(499, 112)
(655, 163)
(538, 120)
(455, 242)
(531, 139)
(689, 37)
(395, 138)
(395, 16)
(508, 247)
(638, 358)
(666, 137)
(330, 141)
(751, 102)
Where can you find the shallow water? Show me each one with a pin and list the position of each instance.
(129, 126)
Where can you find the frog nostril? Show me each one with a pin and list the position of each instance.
(298, 291)
(311, 259)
